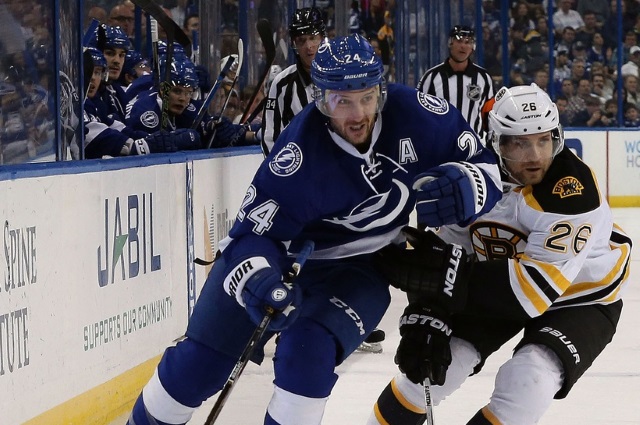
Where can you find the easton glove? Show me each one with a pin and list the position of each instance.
(259, 288)
(433, 270)
(424, 350)
(451, 193)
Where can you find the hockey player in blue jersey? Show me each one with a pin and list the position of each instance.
(345, 174)
(551, 263)
(107, 136)
(145, 110)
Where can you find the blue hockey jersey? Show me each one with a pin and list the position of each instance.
(315, 185)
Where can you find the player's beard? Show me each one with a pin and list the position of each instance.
(528, 173)
(358, 133)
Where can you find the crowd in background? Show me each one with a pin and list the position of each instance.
(585, 50)
(582, 80)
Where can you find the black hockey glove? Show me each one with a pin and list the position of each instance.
(164, 141)
(424, 350)
(226, 133)
(433, 270)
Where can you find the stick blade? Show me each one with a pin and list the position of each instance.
(266, 36)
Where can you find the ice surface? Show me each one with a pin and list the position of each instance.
(608, 394)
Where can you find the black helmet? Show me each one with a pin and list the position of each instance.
(307, 21)
(460, 31)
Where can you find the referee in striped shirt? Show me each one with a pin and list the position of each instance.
(463, 83)
(292, 89)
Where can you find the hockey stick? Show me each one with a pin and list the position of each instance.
(266, 36)
(306, 251)
(233, 83)
(427, 401)
(169, 26)
(207, 100)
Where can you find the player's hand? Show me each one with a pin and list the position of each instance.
(450, 193)
(424, 350)
(432, 269)
(226, 133)
(164, 141)
(261, 290)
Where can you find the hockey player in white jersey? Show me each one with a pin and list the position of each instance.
(345, 174)
(551, 262)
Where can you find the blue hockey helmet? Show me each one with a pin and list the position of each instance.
(108, 36)
(307, 21)
(132, 59)
(97, 57)
(346, 64)
(183, 72)
(178, 49)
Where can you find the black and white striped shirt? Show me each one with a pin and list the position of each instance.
(289, 93)
(468, 90)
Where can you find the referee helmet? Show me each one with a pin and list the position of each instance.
(307, 21)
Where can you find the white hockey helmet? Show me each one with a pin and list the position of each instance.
(523, 110)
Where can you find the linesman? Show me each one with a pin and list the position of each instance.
(466, 85)
(292, 89)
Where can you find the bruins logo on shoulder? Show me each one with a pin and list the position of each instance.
(568, 186)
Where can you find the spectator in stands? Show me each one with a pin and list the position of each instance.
(630, 90)
(610, 27)
(578, 71)
(600, 9)
(597, 52)
(541, 78)
(95, 12)
(542, 26)
(586, 33)
(578, 102)
(179, 12)
(631, 115)
(562, 69)
(597, 87)
(561, 103)
(631, 67)
(567, 39)
(610, 116)
(591, 116)
(355, 20)
(536, 52)
(630, 40)
(191, 24)
(373, 17)
(579, 51)
(517, 76)
(122, 15)
(566, 17)
(386, 40)
(520, 15)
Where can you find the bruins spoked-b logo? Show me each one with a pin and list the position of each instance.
(568, 186)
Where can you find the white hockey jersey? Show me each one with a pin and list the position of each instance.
(554, 242)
